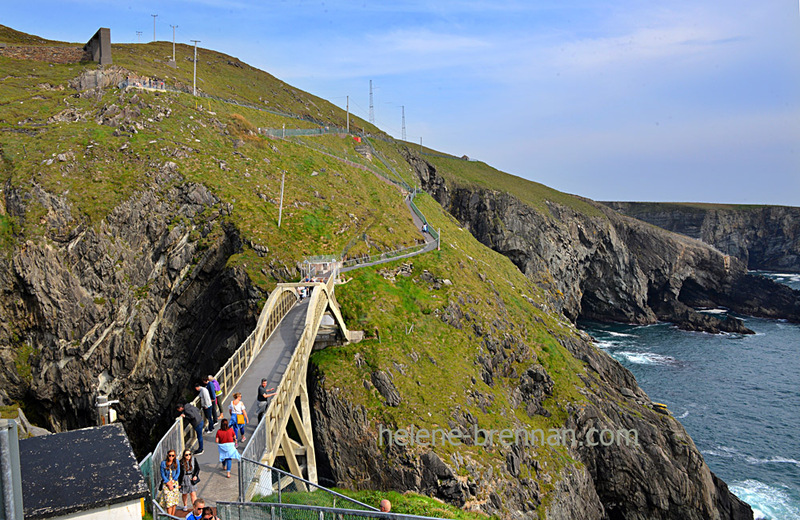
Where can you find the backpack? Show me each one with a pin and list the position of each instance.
(217, 389)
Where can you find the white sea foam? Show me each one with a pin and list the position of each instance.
(714, 311)
(621, 334)
(768, 502)
(605, 344)
(730, 453)
(684, 415)
(646, 358)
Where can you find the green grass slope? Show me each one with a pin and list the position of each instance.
(96, 149)
(327, 202)
(433, 363)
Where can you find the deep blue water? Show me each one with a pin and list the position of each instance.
(738, 396)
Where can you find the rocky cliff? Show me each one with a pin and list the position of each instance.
(496, 370)
(763, 237)
(608, 266)
(135, 307)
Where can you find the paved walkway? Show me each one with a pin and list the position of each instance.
(270, 363)
(430, 245)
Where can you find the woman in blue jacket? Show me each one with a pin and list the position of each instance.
(170, 490)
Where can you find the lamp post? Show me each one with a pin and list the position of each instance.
(194, 80)
(173, 41)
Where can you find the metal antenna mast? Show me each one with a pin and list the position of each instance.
(154, 26)
(173, 41)
(348, 114)
(139, 36)
(403, 108)
(371, 105)
(194, 80)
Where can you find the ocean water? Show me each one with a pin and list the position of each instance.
(738, 396)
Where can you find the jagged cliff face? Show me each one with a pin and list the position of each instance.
(133, 307)
(763, 237)
(664, 477)
(612, 267)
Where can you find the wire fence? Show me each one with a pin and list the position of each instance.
(275, 511)
(388, 255)
(300, 132)
(268, 484)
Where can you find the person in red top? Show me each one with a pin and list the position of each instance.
(226, 442)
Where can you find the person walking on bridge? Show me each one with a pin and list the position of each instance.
(226, 443)
(192, 414)
(188, 479)
(238, 415)
(207, 404)
(170, 491)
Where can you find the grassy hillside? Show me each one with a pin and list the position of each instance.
(96, 163)
(95, 149)
(432, 358)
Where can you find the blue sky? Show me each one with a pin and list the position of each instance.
(632, 100)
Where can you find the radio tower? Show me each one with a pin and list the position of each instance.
(403, 108)
(371, 106)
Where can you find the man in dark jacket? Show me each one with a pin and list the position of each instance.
(192, 414)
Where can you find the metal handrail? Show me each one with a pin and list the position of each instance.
(306, 482)
(265, 440)
(319, 510)
(158, 512)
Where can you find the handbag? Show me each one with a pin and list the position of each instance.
(239, 418)
(195, 480)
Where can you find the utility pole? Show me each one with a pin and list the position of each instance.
(194, 80)
(154, 25)
(139, 36)
(280, 209)
(348, 114)
(371, 106)
(403, 108)
(173, 41)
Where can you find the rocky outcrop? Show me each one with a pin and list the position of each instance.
(611, 267)
(659, 474)
(135, 306)
(763, 237)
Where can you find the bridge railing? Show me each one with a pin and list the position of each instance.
(151, 464)
(266, 439)
(280, 301)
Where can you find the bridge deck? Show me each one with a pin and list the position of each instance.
(270, 363)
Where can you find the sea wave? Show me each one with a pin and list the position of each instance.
(621, 334)
(605, 344)
(714, 311)
(683, 415)
(730, 453)
(645, 358)
(768, 502)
